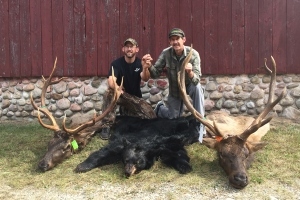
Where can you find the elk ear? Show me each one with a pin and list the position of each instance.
(210, 142)
(255, 146)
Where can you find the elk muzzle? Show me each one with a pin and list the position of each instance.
(238, 180)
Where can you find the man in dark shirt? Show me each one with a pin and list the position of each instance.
(130, 68)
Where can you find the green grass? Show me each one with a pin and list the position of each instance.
(23, 145)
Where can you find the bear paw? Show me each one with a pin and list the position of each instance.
(81, 168)
(184, 167)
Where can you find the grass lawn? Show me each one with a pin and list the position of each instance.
(274, 174)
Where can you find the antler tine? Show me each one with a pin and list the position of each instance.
(117, 93)
(260, 120)
(48, 82)
(182, 88)
(43, 107)
(54, 125)
(46, 112)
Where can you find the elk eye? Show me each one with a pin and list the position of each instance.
(66, 148)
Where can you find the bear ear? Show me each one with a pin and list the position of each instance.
(125, 142)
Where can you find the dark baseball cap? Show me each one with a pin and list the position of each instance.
(132, 41)
(177, 32)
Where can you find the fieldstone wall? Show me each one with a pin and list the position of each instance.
(77, 98)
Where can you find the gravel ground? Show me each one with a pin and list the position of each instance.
(108, 191)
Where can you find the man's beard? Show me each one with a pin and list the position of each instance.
(129, 55)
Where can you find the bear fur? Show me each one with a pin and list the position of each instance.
(138, 143)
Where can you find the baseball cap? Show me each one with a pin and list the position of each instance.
(132, 41)
(176, 31)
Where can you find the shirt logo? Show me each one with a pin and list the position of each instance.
(137, 69)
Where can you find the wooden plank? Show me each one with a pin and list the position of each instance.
(279, 34)
(265, 32)
(198, 32)
(293, 39)
(46, 18)
(14, 42)
(68, 24)
(79, 33)
(25, 56)
(148, 38)
(125, 22)
(238, 37)
(36, 38)
(136, 10)
(103, 33)
(173, 15)
(58, 36)
(251, 36)
(113, 31)
(4, 40)
(185, 20)
(131, 23)
(91, 37)
(211, 37)
(161, 30)
(224, 38)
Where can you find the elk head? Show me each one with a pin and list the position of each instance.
(65, 141)
(235, 152)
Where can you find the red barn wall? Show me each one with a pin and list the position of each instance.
(232, 36)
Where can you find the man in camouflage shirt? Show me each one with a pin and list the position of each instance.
(172, 58)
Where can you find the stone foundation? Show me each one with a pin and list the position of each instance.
(78, 97)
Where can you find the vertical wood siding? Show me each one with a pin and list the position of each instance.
(232, 36)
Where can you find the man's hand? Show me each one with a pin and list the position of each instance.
(146, 61)
(188, 69)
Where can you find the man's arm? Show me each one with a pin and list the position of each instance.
(145, 74)
(154, 70)
(146, 63)
(193, 69)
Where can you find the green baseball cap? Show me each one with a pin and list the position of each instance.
(132, 41)
(177, 32)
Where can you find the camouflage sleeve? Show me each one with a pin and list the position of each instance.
(156, 69)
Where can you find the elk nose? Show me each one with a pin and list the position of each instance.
(241, 178)
(43, 166)
(127, 175)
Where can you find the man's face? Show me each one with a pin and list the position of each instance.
(130, 50)
(177, 43)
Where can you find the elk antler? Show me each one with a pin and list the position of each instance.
(187, 103)
(43, 107)
(54, 125)
(117, 93)
(256, 124)
(260, 120)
